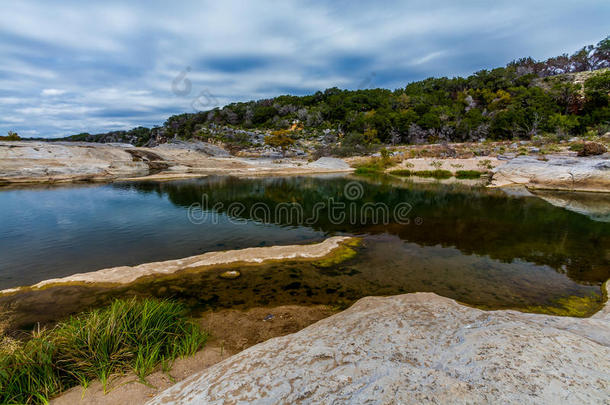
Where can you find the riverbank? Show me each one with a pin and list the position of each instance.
(415, 347)
(231, 332)
(26, 162)
(399, 334)
(31, 162)
(220, 273)
(419, 348)
(122, 275)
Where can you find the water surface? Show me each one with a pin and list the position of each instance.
(476, 245)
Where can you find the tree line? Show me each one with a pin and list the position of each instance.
(565, 95)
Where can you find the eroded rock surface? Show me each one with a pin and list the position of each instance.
(42, 162)
(416, 348)
(558, 173)
(60, 161)
(330, 163)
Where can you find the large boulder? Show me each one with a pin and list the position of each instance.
(555, 173)
(416, 348)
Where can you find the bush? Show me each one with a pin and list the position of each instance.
(437, 174)
(485, 164)
(377, 164)
(127, 335)
(402, 172)
(280, 139)
(468, 174)
(11, 136)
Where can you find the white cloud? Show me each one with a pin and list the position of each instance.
(69, 67)
(52, 92)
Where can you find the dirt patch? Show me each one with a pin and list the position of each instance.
(231, 331)
(237, 330)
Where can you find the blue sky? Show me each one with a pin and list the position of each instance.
(74, 66)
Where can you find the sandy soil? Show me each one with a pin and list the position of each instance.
(231, 332)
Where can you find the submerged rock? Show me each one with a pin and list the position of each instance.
(416, 348)
(230, 274)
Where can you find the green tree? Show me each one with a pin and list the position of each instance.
(11, 136)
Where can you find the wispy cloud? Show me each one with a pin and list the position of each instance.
(52, 92)
(70, 67)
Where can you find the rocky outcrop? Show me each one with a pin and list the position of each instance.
(49, 162)
(416, 348)
(555, 173)
(28, 161)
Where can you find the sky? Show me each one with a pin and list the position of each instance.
(71, 66)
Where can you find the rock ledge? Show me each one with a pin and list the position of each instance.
(416, 348)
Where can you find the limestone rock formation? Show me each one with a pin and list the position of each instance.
(416, 348)
(558, 173)
(63, 160)
(330, 163)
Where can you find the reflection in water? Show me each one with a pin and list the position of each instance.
(472, 244)
(474, 220)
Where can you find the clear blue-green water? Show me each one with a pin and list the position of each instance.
(473, 244)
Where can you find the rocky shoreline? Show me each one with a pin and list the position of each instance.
(30, 162)
(60, 162)
(416, 348)
(128, 274)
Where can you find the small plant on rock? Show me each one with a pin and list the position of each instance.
(485, 164)
(437, 164)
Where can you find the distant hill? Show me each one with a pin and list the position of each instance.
(567, 95)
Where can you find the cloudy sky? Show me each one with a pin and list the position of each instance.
(70, 67)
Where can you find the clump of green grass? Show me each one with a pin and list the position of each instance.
(402, 172)
(437, 174)
(377, 164)
(128, 335)
(368, 169)
(468, 174)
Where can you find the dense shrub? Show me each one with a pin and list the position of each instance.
(468, 174)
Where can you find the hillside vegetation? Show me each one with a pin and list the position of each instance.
(523, 99)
